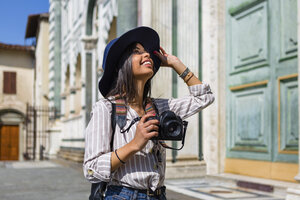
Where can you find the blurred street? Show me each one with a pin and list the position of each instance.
(41, 180)
(63, 180)
(48, 180)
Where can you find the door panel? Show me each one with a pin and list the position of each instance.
(262, 100)
(249, 126)
(5, 143)
(288, 112)
(288, 29)
(249, 116)
(285, 81)
(9, 143)
(249, 47)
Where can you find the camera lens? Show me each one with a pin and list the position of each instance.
(173, 128)
(170, 126)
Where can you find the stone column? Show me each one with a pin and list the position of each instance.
(144, 13)
(88, 85)
(55, 58)
(213, 72)
(127, 16)
(294, 193)
(88, 74)
(188, 51)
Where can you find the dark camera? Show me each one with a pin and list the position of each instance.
(171, 126)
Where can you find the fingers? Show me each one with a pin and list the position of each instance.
(148, 128)
(143, 119)
(152, 134)
(152, 128)
(150, 122)
(159, 55)
(162, 50)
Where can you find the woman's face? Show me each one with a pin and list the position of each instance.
(142, 64)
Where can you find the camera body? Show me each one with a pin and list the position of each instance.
(171, 126)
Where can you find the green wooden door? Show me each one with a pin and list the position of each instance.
(262, 94)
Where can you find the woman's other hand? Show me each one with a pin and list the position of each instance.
(145, 131)
(167, 59)
(174, 62)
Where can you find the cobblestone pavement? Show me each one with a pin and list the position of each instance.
(45, 180)
(63, 180)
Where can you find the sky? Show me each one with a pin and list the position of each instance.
(13, 18)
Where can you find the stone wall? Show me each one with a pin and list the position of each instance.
(213, 68)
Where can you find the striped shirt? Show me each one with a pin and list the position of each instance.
(143, 170)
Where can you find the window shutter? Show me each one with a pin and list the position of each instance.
(10, 83)
(13, 82)
(6, 81)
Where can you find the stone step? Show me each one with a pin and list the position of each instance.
(185, 169)
(275, 187)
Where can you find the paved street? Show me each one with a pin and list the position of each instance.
(63, 180)
(37, 181)
(59, 180)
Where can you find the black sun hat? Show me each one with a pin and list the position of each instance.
(146, 36)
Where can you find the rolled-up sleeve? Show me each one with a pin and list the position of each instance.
(97, 157)
(200, 97)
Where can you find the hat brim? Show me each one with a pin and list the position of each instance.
(143, 35)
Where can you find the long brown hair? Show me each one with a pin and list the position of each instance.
(123, 84)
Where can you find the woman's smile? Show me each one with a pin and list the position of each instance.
(147, 63)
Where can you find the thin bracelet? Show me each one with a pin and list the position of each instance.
(184, 73)
(189, 76)
(119, 157)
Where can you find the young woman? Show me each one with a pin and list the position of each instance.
(135, 169)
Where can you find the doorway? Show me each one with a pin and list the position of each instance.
(9, 142)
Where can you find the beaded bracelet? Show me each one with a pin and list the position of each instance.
(119, 157)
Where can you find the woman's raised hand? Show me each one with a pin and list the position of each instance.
(167, 59)
(145, 131)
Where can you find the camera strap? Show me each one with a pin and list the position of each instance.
(132, 122)
(121, 113)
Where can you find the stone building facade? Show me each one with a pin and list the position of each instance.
(79, 37)
(16, 91)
